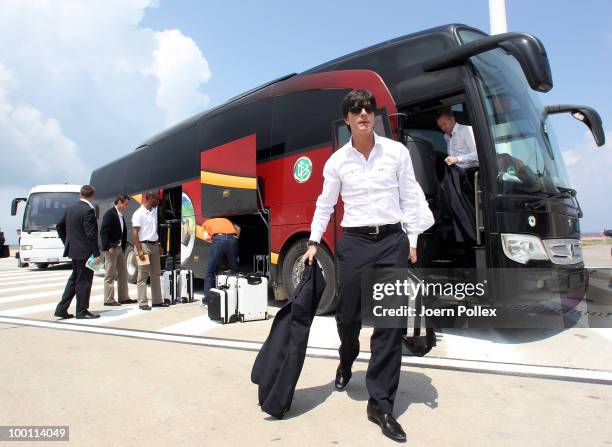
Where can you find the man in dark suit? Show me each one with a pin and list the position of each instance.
(78, 230)
(113, 235)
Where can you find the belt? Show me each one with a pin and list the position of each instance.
(149, 242)
(224, 234)
(375, 230)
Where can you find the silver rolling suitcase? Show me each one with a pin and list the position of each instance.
(222, 304)
(252, 298)
(168, 286)
(184, 285)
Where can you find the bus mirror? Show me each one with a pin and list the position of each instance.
(15, 204)
(584, 114)
(525, 48)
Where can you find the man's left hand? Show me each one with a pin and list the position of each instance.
(451, 160)
(413, 255)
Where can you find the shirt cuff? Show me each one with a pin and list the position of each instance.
(412, 238)
(316, 236)
(458, 159)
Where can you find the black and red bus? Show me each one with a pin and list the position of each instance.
(258, 158)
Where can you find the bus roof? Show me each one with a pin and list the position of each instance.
(56, 188)
(327, 66)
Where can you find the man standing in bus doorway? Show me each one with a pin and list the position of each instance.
(223, 236)
(459, 140)
(382, 202)
(78, 230)
(147, 244)
(113, 235)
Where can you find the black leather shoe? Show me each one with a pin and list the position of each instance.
(128, 301)
(87, 316)
(112, 304)
(144, 307)
(390, 427)
(161, 305)
(342, 379)
(64, 316)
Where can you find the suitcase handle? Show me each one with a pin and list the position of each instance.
(252, 279)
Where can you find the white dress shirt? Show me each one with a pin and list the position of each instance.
(461, 145)
(378, 191)
(147, 221)
(88, 203)
(120, 223)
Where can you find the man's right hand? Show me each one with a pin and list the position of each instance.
(310, 254)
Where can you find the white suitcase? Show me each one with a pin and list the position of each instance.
(252, 298)
(168, 286)
(222, 277)
(222, 304)
(184, 285)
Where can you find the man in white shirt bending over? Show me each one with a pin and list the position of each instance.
(459, 140)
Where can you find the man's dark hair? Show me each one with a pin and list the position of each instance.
(121, 198)
(446, 111)
(147, 195)
(360, 97)
(87, 191)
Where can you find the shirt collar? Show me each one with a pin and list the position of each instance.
(88, 203)
(455, 129)
(118, 212)
(377, 143)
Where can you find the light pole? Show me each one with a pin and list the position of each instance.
(497, 16)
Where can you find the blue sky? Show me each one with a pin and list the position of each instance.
(82, 83)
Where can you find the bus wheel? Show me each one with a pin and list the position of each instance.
(42, 265)
(293, 270)
(130, 262)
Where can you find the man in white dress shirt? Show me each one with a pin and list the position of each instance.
(459, 140)
(384, 212)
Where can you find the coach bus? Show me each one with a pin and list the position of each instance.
(258, 158)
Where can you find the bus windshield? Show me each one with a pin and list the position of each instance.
(528, 157)
(45, 209)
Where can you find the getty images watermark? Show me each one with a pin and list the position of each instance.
(487, 298)
(410, 289)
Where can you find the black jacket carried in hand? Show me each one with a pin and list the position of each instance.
(78, 230)
(110, 230)
(279, 363)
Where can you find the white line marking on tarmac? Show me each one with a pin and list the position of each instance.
(46, 294)
(42, 275)
(193, 326)
(28, 281)
(543, 372)
(26, 287)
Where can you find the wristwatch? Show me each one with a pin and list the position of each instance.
(315, 243)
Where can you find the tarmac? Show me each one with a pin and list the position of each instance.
(172, 377)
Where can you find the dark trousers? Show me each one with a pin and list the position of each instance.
(356, 254)
(78, 284)
(222, 246)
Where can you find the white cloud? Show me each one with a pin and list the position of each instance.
(82, 83)
(178, 87)
(590, 171)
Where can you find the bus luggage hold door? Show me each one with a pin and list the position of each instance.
(229, 178)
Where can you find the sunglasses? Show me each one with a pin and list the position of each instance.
(355, 109)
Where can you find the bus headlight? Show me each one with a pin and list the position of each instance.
(523, 247)
(26, 247)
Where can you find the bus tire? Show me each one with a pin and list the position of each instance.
(292, 273)
(130, 262)
(42, 265)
